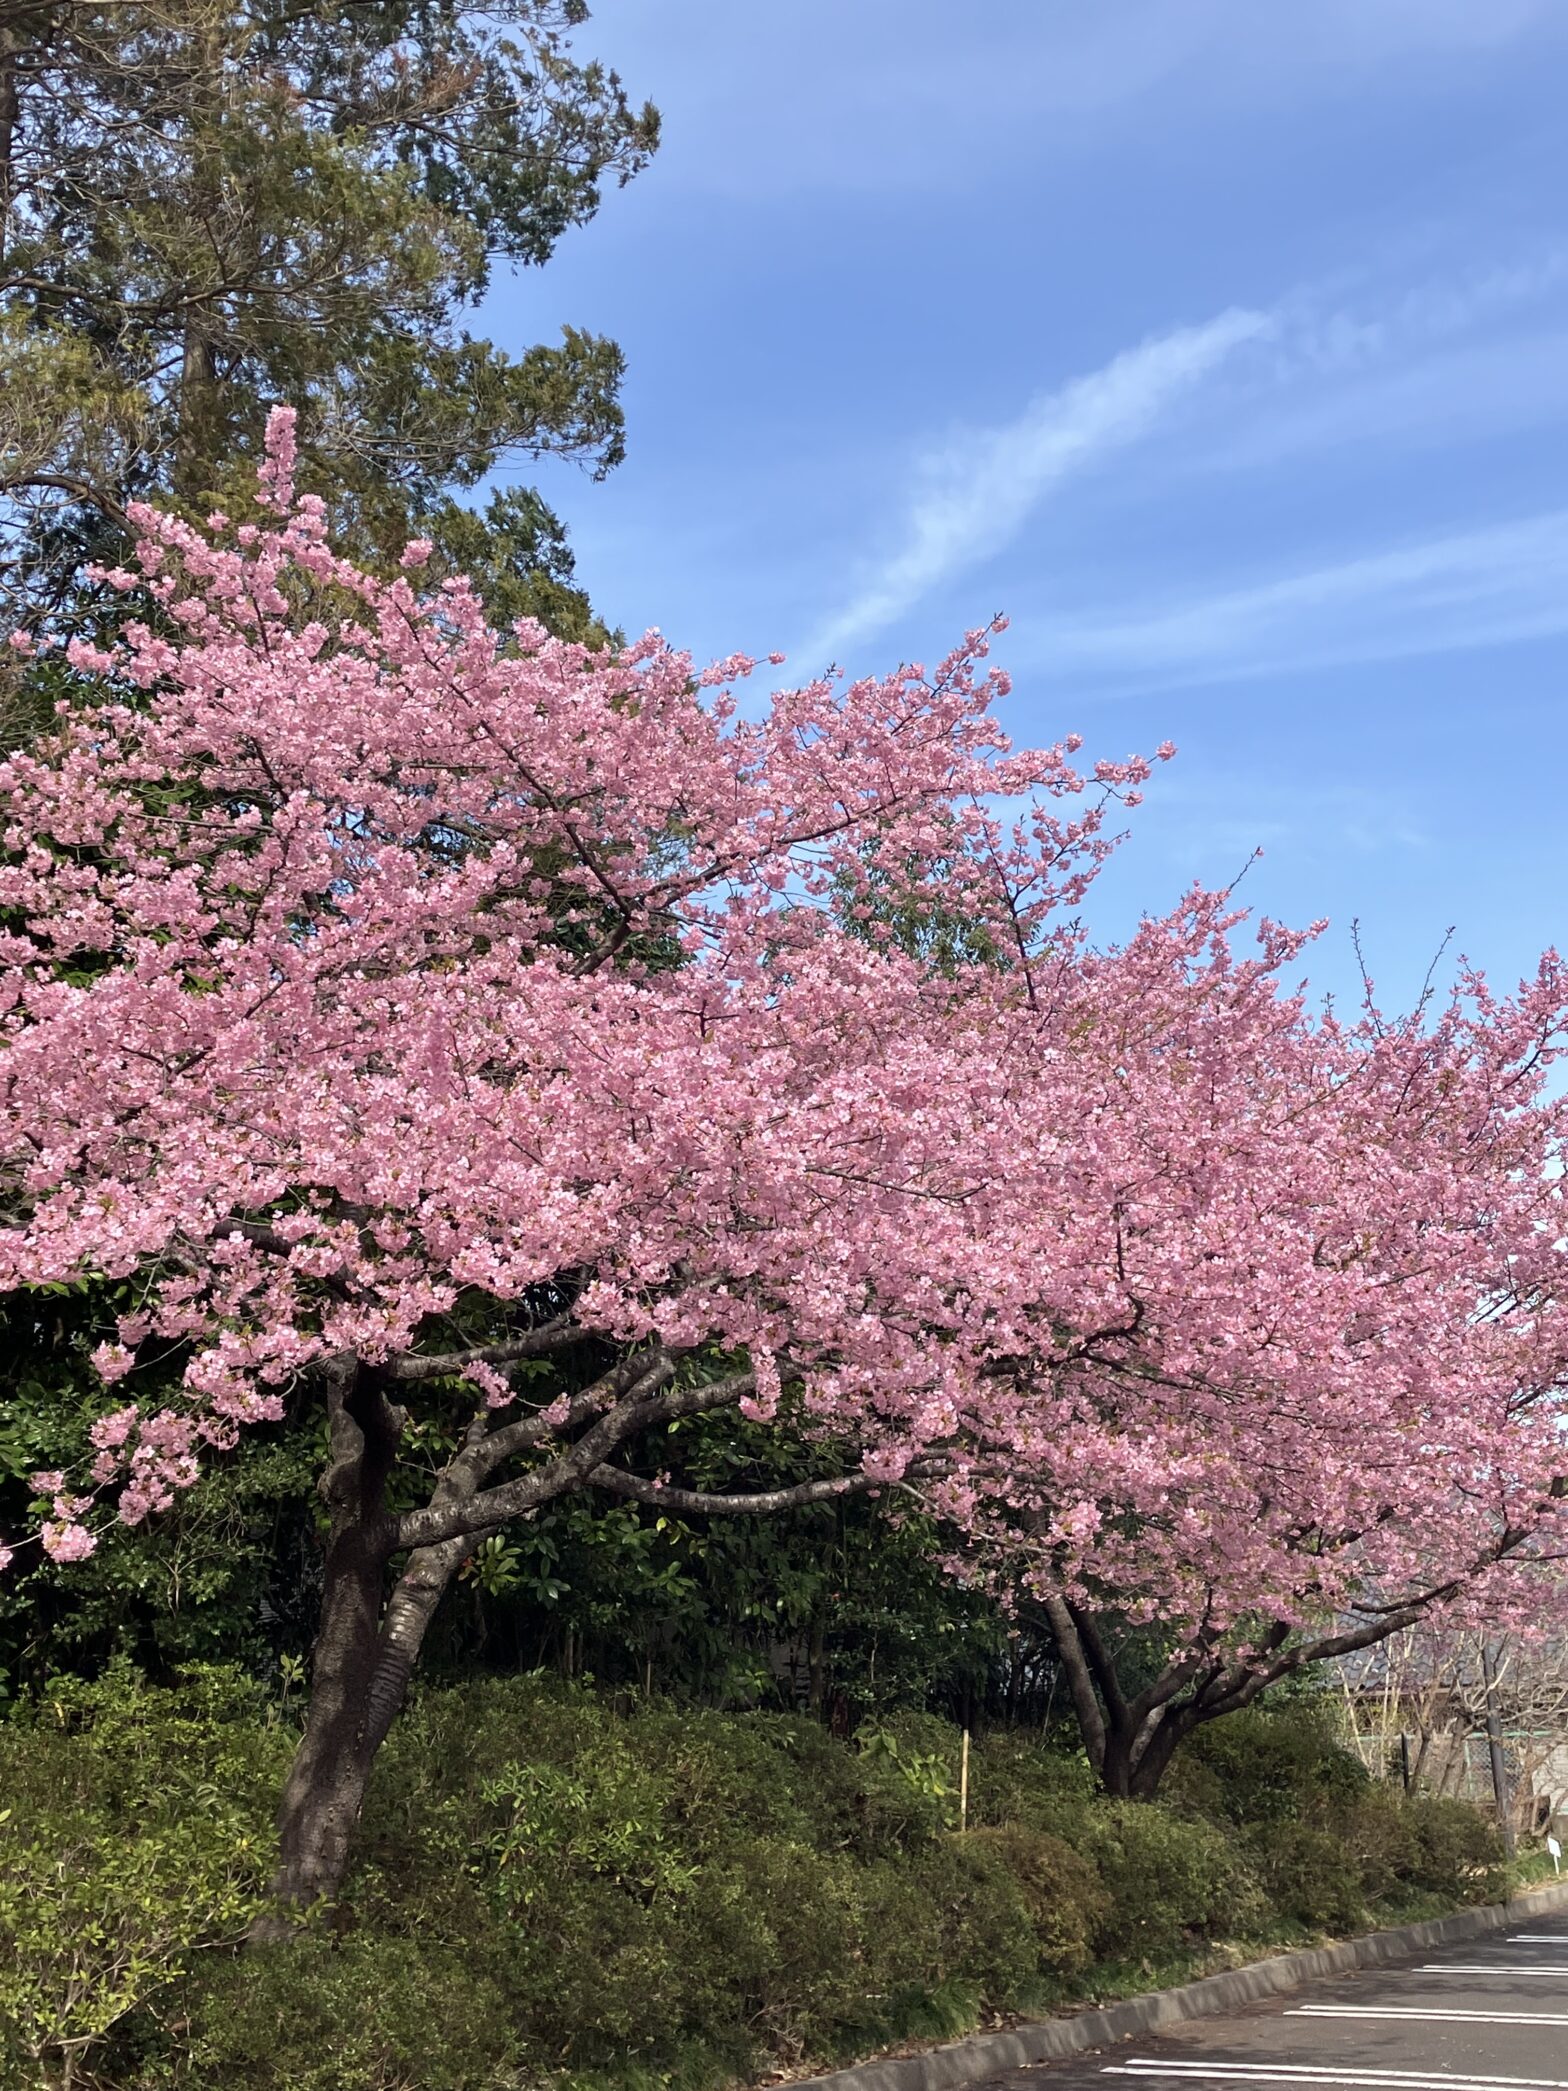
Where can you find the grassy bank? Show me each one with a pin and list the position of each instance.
(556, 1889)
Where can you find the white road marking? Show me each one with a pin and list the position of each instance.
(1538, 1938)
(1494, 1967)
(1433, 2017)
(1348, 2073)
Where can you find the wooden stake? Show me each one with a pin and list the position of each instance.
(963, 1785)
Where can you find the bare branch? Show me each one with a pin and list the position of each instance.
(563, 1476)
(559, 1333)
(764, 1502)
(69, 483)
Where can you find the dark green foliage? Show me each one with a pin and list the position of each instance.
(230, 1574)
(1263, 1766)
(1170, 1877)
(366, 2012)
(1458, 1851)
(833, 1609)
(556, 1886)
(1069, 1899)
(516, 554)
(135, 1832)
(210, 208)
(1327, 1840)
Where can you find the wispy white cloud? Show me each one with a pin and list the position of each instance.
(975, 493)
(1469, 394)
(1244, 391)
(1488, 587)
(1325, 332)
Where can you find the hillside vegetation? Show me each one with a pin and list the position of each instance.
(561, 1887)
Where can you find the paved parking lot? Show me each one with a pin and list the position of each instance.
(1484, 2017)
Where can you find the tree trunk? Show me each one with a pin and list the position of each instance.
(10, 111)
(410, 1609)
(1137, 1757)
(1153, 1750)
(326, 1783)
(197, 437)
(1129, 1743)
(1073, 1663)
(1115, 1769)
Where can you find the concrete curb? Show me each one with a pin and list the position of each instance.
(1047, 2040)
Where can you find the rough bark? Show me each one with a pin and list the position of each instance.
(369, 1640)
(326, 1782)
(1131, 1743)
(10, 109)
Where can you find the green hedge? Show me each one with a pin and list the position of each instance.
(554, 1890)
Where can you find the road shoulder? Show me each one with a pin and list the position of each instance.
(984, 2055)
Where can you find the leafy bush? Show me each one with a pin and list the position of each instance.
(556, 1889)
(984, 1925)
(374, 2013)
(1068, 1902)
(911, 1769)
(1330, 1844)
(1459, 1854)
(1263, 1766)
(1311, 1875)
(1016, 1778)
(136, 1832)
(1173, 1881)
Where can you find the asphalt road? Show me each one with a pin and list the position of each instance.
(1491, 2016)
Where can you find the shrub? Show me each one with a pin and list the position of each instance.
(1173, 1881)
(1067, 1900)
(136, 1832)
(1014, 1778)
(784, 1929)
(354, 2014)
(1329, 1842)
(1311, 1875)
(1264, 1765)
(1458, 1852)
(648, 1882)
(1378, 1834)
(984, 1931)
(556, 1891)
(911, 1769)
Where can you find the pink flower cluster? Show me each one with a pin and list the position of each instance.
(1223, 1303)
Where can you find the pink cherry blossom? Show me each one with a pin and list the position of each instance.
(67, 1542)
(372, 974)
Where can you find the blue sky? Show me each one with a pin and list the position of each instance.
(1223, 345)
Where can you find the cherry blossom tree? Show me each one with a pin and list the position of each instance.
(1293, 1503)
(505, 1046)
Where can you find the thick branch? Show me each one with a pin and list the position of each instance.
(497, 1506)
(1080, 1684)
(1165, 1687)
(764, 1502)
(553, 1335)
(488, 1449)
